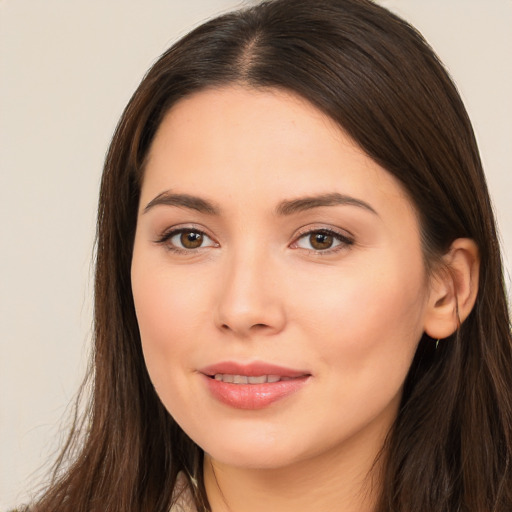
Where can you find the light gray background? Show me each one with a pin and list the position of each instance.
(67, 68)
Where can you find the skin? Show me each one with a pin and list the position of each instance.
(257, 290)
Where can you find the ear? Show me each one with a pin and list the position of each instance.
(453, 289)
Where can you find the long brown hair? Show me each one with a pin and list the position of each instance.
(371, 72)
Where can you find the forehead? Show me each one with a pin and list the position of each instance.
(237, 141)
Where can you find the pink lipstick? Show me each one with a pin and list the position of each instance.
(252, 386)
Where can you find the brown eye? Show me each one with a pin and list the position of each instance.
(191, 239)
(321, 241)
(187, 240)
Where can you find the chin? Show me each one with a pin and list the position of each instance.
(261, 451)
(257, 458)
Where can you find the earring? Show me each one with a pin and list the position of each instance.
(437, 343)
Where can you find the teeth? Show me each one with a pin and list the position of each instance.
(257, 380)
(244, 379)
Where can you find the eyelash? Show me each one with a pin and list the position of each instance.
(343, 239)
(166, 237)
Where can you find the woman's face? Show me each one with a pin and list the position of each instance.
(278, 280)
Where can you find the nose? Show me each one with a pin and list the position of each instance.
(250, 301)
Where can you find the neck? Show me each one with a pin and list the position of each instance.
(344, 480)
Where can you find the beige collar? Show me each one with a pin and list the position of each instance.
(184, 499)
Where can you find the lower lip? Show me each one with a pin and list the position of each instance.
(253, 396)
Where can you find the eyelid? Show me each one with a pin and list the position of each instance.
(344, 237)
(168, 233)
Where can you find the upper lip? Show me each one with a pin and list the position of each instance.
(253, 369)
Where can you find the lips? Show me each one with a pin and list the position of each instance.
(252, 386)
(254, 369)
(246, 379)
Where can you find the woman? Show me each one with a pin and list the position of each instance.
(299, 299)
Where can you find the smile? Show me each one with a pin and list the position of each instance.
(252, 386)
(249, 379)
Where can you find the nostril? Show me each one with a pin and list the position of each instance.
(257, 327)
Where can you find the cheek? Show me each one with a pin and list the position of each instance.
(367, 329)
(367, 320)
(170, 313)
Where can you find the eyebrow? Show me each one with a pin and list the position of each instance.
(183, 201)
(288, 207)
(332, 199)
